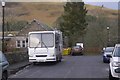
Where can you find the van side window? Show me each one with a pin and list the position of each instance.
(57, 40)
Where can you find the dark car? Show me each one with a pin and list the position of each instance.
(77, 50)
(107, 54)
(3, 67)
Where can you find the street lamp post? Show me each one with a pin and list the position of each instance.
(3, 5)
(108, 33)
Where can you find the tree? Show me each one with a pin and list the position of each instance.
(73, 23)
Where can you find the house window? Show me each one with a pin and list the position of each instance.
(23, 44)
(18, 44)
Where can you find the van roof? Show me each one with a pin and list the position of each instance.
(44, 32)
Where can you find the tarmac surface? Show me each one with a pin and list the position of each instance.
(70, 67)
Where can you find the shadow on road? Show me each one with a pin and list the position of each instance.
(45, 63)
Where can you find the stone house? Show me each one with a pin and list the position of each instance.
(20, 41)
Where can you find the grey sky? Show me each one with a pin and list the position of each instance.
(111, 5)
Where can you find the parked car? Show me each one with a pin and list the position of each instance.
(77, 50)
(107, 54)
(114, 66)
(3, 67)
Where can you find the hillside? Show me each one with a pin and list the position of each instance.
(44, 12)
(98, 19)
(48, 12)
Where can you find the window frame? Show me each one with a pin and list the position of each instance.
(18, 43)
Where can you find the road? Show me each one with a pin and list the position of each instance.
(70, 67)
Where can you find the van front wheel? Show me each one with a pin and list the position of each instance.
(58, 59)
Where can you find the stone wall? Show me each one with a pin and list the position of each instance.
(16, 57)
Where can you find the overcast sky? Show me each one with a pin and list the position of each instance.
(112, 5)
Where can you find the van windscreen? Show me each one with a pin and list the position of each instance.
(41, 40)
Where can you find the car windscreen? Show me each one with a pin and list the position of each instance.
(76, 47)
(41, 40)
(109, 49)
(117, 52)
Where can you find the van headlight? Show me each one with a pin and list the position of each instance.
(30, 55)
(52, 55)
(115, 64)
